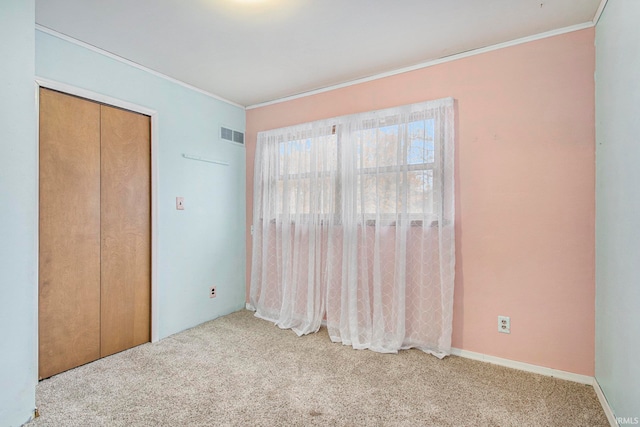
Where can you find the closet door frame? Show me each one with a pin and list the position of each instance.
(103, 99)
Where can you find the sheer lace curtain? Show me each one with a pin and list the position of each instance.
(354, 224)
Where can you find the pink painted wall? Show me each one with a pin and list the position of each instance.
(525, 199)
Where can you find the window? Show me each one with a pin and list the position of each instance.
(395, 170)
(302, 165)
(394, 165)
(354, 223)
(380, 166)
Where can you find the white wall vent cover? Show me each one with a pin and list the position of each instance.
(231, 135)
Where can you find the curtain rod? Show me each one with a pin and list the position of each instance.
(203, 159)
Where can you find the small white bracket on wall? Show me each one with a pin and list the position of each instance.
(203, 159)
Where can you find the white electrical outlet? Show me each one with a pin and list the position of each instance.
(504, 324)
(212, 292)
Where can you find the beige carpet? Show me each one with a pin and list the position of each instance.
(242, 371)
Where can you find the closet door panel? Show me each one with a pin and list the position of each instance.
(69, 222)
(126, 230)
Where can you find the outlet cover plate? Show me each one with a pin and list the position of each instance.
(212, 292)
(504, 324)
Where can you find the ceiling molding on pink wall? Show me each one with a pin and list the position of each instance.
(450, 58)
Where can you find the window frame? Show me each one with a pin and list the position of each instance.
(400, 169)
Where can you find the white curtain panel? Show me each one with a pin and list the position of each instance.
(354, 224)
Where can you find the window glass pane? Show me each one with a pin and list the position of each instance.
(296, 196)
(326, 199)
(327, 155)
(378, 147)
(280, 197)
(420, 194)
(306, 175)
(299, 156)
(377, 193)
(283, 156)
(420, 139)
(296, 157)
(301, 197)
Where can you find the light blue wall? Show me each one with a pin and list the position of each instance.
(618, 206)
(18, 215)
(203, 245)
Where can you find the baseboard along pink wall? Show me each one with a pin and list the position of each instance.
(525, 198)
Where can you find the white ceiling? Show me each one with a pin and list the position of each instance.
(253, 51)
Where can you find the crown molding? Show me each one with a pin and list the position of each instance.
(598, 14)
(431, 63)
(118, 58)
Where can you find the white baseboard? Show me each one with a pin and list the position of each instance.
(570, 376)
(549, 372)
(605, 405)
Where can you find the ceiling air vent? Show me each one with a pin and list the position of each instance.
(231, 135)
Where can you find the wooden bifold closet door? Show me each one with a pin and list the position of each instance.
(95, 231)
